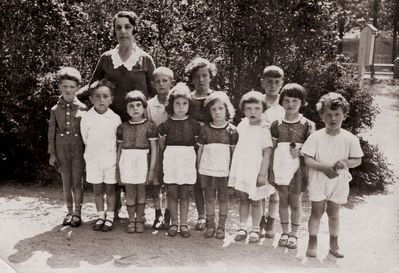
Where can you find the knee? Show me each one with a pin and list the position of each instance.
(273, 199)
(184, 193)
(223, 195)
(256, 204)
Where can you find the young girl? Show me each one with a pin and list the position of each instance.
(200, 72)
(98, 128)
(216, 143)
(65, 144)
(249, 167)
(178, 137)
(290, 174)
(136, 138)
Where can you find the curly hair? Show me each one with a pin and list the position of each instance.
(180, 90)
(198, 63)
(252, 97)
(212, 99)
(104, 82)
(135, 95)
(69, 73)
(294, 90)
(333, 101)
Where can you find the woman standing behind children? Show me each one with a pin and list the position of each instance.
(216, 143)
(178, 137)
(200, 73)
(290, 174)
(136, 138)
(65, 144)
(98, 129)
(329, 153)
(250, 163)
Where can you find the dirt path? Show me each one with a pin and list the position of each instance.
(33, 241)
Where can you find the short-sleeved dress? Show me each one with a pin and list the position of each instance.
(135, 140)
(247, 159)
(328, 150)
(216, 142)
(289, 171)
(198, 107)
(179, 155)
(133, 74)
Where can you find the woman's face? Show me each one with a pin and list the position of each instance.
(201, 79)
(124, 30)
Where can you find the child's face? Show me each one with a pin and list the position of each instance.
(162, 83)
(101, 99)
(68, 89)
(291, 105)
(253, 111)
(272, 86)
(124, 30)
(135, 109)
(180, 107)
(218, 111)
(333, 119)
(201, 79)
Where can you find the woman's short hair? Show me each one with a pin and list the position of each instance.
(131, 16)
(180, 90)
(135, 95)
(252, 97)
(104, 82)
(294, 90)
(212, 99)
(198, 63)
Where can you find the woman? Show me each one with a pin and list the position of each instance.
(127, 66)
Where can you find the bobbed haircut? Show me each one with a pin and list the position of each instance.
(252, 97)
(131, 16)
(273, 71)
(180, 90)
(294, 90)
(212, 99)
(197, 63)
(69, 73)
(162, 70)
(333, 101)
(104, 82)
(135, 95)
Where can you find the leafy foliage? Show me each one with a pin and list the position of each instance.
(241, 37)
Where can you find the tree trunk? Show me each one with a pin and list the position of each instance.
(395, 31)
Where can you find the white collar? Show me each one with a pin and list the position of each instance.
(137, 122)
(186, 117)
(108, 114)
(293, 121)
(218, 127)
(129, 63)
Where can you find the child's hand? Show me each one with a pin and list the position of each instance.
(151, 176)
(295, 152)
(341, 164)
(53, 160)
(261, 181)
(330, 172)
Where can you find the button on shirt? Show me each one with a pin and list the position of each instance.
(99, 135)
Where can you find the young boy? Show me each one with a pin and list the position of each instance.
(162, 82)
(98, 129)
(272, 81)
(65, 144)
(329, 153)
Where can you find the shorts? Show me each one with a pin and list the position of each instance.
(335, 190)
(95, 174)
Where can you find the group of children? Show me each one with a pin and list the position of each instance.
(181, 138)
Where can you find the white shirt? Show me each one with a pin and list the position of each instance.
(156, 111)
(99, 135)
(273, 112)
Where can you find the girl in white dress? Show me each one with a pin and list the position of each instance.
(250, 163)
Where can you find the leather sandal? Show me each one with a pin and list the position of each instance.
(283, 240)
(107, 228)
(241, 235)
(139, 226)
(220, 233)
(292, 242)
(67, 220)
(76, 221)
(184, 231)
(131, 227)
(254, 237)
(99, 224)
(200, 224)
(172, 231)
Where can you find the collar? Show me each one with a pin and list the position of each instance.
(137, 122)
(294, 121)
(108, 114)
(129, 63)
(172, 118)
(219, 127)
(64, 103)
